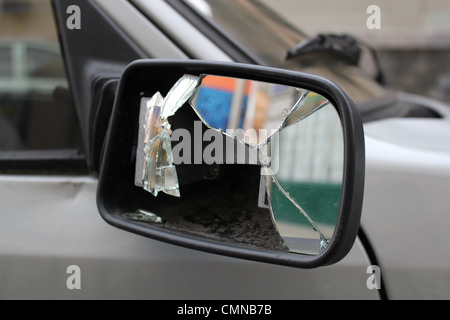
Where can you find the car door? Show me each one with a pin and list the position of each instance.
(53, 242)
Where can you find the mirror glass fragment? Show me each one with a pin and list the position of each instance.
(307, 179)
(158, 172)
(296, 134)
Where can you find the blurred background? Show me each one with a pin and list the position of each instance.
(413, 43)
(413, 46)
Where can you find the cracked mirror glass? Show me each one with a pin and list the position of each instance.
(306, 183)
(294, 136)
(298, 134)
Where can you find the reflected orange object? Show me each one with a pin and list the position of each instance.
(224, 83)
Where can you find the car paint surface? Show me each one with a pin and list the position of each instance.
(60, 227)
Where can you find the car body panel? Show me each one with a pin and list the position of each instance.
(60, 226)
(405, 211)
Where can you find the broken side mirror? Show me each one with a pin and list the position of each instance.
(246, 161)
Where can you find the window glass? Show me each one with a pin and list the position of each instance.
(5, 62)
(36, 109)
(44, 63)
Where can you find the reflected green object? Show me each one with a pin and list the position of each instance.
(320, 200)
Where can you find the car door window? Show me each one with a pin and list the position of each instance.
(38, 121)
(44, 63)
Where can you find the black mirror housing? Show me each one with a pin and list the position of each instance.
(118, 194)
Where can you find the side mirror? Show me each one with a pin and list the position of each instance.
(240, 160)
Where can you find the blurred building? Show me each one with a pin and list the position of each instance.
(26, 19)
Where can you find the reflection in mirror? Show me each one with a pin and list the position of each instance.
(158, 171)
(296, 133)
(308, 180)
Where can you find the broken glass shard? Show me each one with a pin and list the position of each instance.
(158, 170)
(178, 95)
(303, 109)
(142, 216)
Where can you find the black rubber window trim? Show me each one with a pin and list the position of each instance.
(49, 162)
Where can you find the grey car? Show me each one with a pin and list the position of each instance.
(54, 244)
